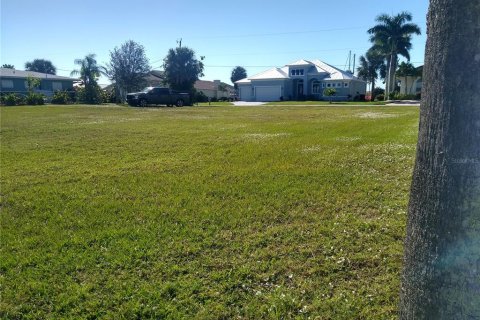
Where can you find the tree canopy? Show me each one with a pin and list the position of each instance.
(8, 66)
(41, 65)
(238, 73)
(182, 68)
(127, 68)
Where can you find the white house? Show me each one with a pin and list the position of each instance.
(300, 80)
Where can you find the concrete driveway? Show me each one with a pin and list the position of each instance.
(245, 103)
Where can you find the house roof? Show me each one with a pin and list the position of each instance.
(274, 73)
(333, 73)
(13, 73)
(317, 68)
(210, 85)
(299, 63)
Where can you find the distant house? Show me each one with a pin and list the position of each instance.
(211, 89)
(411, 84)
(15, 81)
(215, 89)
(299, 80)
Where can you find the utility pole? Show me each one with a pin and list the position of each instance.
(179, 42)
(353, 70)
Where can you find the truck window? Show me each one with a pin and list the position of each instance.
(162, 91)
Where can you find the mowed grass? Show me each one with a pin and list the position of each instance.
(203, 213)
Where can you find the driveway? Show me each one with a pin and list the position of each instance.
(245, 103)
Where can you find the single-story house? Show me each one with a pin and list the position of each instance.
(15, 81)
(411, 84)
(215, 89)
(299, 80)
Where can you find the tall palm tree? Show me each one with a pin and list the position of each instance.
(89, 72)
(370, 66)
(392, 36)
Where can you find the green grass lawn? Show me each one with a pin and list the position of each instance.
(207, 213)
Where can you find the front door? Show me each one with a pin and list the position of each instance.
(300, 89)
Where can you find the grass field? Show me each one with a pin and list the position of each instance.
(203, 212)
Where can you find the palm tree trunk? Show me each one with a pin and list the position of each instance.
(441, 276)
(372, 96)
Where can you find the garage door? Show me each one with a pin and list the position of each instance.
(246, 93)
(270, 93)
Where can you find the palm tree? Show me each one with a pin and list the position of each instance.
(392, 37)
(89, 72)
(370, 65)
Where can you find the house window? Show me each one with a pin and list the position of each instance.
(56, 86)
(323, 84)
(7, 84)
(334, 85)
(315, 86)
(345, 84)
(339, 85)
(296, 72)
(329, 85)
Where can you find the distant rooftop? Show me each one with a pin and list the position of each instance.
(13, 73)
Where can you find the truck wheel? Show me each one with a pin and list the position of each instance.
(179, 103)
(143, 103)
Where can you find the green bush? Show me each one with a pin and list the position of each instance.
(11, 99)
(199, 96)
(380, 97)
(90, 95)
(61, 97)
(34, 98)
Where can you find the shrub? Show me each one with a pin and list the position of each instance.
(10, 99)
(34, 98)
(380, 97)
(90, 95)
(61, 97)
(200, 97)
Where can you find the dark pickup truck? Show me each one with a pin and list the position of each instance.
(156, 95)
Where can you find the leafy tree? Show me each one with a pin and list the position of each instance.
(89, 73)
(329, 92)
(238, 73)
(370, 66)
(405, 70)
(41, 65)
(8, 66)
(128, 68)
(182, 68)
(32, 83)
(392, 37)
(441, 276)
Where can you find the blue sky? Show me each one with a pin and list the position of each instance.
(254, 34)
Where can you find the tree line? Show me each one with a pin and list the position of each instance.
(128, 69)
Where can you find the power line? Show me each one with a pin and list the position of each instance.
(279, 33)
